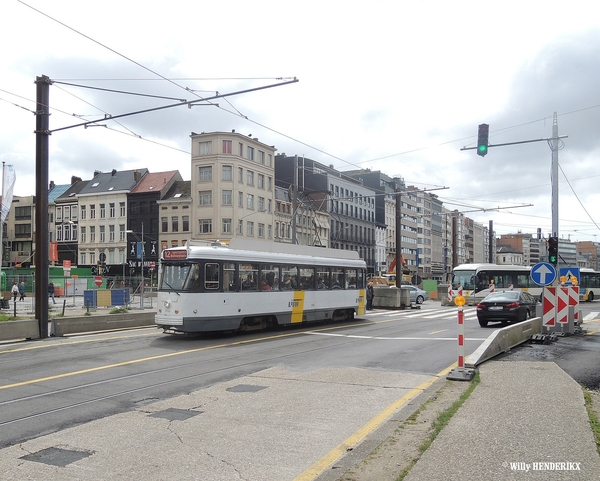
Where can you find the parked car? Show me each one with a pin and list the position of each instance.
(417, 295)
(506, 306)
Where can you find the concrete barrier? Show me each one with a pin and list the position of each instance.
(73, 325)
(22, 329)
(391, 298)
(501, 340)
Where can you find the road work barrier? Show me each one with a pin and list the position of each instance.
(501, 340)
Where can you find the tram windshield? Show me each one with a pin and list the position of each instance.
(179, 277)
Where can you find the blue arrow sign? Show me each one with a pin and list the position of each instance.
(543, 273)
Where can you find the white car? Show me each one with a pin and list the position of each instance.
(417, 295)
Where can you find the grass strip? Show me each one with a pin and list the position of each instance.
(594, 421)
(440, 422)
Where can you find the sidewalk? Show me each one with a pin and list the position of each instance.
(525, 420)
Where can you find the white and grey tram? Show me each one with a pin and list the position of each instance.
(244, 285)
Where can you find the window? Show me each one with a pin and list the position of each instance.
(111, 233)
(261, 204)
(241, 149)
(250, 177)
(111, 210)
(240, 199)
(205, 197)
(164, 222)
(250, 228)
(250, 201)
(227, 146)
(261, 230)
(205, 173)
(270, 208)
(92, 211)
(205, 226)
(83, 237)
(226, 227)
(270, 231)
(226, 197)
(102, 233)
(121, 209)
(226, 172)
(240, 230)
(122, 235)
(83, 258)
(174, 224)
(261, 181)
(102, 211)
(269, 183)
(250, 153)
(185, 220)
(270, 157)
(261, 157)
(205, 148)
(211, 275)
(240, 175)
(92, 234)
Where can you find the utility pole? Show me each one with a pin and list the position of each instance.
(398, 235)
(554, 175)
(42, 249)
(295, 200)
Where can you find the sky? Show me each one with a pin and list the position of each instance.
(397, 86)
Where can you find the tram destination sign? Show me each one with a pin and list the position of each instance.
(175, 254)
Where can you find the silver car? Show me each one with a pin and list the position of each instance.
(417, 295)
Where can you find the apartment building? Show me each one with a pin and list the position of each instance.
(175, 209)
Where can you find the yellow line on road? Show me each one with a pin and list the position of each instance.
(437, 332)
(320, 466)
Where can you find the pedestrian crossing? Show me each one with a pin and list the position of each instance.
(470, 313)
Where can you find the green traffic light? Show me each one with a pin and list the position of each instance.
(482, 149)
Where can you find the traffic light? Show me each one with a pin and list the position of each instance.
(553, 250)
(482, 139)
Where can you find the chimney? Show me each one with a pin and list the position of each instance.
(114, 171)
(52, 185)
(137, 176)
(75, 179)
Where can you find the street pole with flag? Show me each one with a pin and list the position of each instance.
(8, 184)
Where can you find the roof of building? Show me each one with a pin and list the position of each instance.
(57, 191)
(153, 182)
(502, 249)
(181, 189)
(72, 191)
(113, 181)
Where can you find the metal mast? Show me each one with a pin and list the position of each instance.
(554, 175)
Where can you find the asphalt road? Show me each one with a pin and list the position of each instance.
(51, 385)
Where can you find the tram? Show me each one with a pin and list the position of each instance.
(245, 285)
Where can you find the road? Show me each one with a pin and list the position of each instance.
(51, 385)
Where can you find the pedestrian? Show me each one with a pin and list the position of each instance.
(15, 291)
(51, 291)
(22, 291)
(370, 296)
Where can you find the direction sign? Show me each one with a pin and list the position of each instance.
(543, 273)
(98, 280)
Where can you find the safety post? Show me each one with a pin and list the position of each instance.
(460, 373)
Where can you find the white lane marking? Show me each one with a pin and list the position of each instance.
(331, 334)
(591, 315)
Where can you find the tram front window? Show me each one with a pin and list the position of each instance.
(177, 276)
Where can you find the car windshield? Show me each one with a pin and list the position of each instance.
(502, 296)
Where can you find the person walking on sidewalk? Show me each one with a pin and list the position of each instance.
(51, 291)
(22, 291)
(15, 291)
(370, 296)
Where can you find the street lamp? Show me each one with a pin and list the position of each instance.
(140, 249)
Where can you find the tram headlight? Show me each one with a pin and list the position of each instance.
(167, 304)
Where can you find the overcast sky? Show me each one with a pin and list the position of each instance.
(397, 86)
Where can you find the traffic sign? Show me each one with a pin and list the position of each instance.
(543, 273)
(569, 273)
(98, 280)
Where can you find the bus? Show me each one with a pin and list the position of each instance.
(476, 279)
(212, 286)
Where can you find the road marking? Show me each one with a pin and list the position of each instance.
(591, 315)
(332, 334)
(338, 452)
(437, 332)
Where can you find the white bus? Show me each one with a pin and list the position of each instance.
(476, 280)
(243, 286)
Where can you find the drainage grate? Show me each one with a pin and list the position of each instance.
(173, 414)
(246, 388)
(57, 456)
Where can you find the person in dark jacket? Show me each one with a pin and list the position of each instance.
(370, 296)
(51, 291)
(22, 291)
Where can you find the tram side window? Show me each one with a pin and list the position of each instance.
(229, 283)
(361, 279)
(194, 282)
(269, 277)
(323, 278)
(307, 278)
(249, 277)
(211, 276)
(522, 281)
(351, 276)
(289, 278)
(337, 278)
